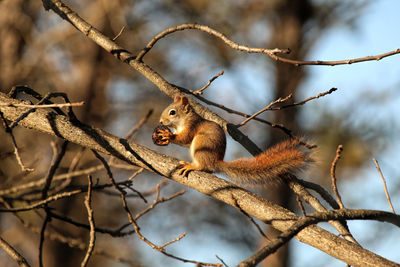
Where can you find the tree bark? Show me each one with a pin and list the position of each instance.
(58, 125)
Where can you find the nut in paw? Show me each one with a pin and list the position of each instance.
(161, 135)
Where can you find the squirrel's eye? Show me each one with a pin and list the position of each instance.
(172, 112)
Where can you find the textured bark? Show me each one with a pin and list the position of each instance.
(266, 211)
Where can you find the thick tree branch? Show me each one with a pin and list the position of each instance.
(280, 218)
(314, 218)
(125, 56)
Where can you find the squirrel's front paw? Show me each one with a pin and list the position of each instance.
(161, 135)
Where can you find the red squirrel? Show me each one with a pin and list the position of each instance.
(207, 143)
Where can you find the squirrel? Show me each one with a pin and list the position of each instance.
(207, 143)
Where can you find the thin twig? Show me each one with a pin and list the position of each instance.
(221, 260)
(139, 124)
(321, 191)
(92, 233)
(45, 100)
(71, 242)
(19, 188)
(128, 184)
(330, 91)
(119, 33)
(233, 111)
(41, 241)
(272, 53)
(61, 105)
(271, 106)
(13, 253)
(301, 206)
(133, 222)
(57, 157)
(38, 183)
(250, 218)
(210, 31)
(41, 203)
(333, 175)
(130, 178)
(157, 201)
(279, 100)
(384, 184)
(173, 240)
(336, 62)
(73, 165)
(298, 189)
(113, 233)
(200, 91)
(14, 142)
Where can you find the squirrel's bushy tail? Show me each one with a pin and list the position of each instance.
(269, 166)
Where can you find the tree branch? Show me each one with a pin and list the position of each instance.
(13, 253)
(280, 218)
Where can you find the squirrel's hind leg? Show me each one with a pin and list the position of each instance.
(186, 167)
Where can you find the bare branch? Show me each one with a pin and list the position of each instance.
(71, 242)
(38, 183)
(125, 56)
(210, 31)
(270, 52)
(200, 91)
(384, 184)
(158, 200)
(133, 222)
(330, 91)
(205, 183)
(173, 240)
(251, 220)
(340, 226)
(13, 253)
(14, 142)
(61, 105)
(57, 157)
(333, 175)
(271, 106)
(139, 124)
(119, 34)
(41, 241)
(303, 211)
(88, 205)
(221, 260)
(336, 62)
(279, 100)
(313, 219)
(233, 111)
(321, 191)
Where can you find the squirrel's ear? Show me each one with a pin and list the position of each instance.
(185, 103)
(184, 100)
(177, 98)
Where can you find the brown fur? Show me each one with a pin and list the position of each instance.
(269, 166)
(207, 143)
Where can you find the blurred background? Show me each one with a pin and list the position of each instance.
(40, 50)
